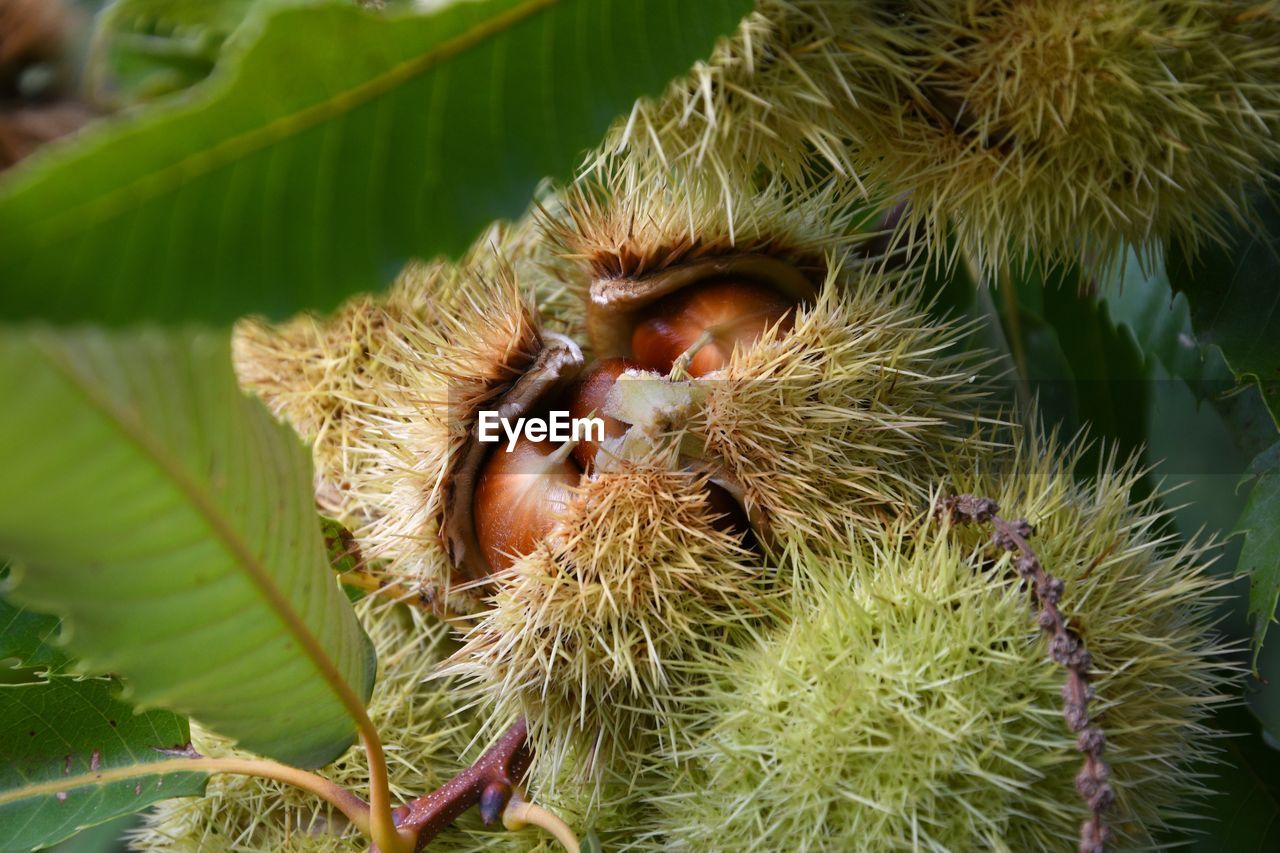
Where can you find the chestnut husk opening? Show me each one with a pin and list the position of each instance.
(614, 303)
(558, 363)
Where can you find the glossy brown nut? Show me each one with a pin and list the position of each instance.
(518, 496)
(587, 398)
(728, 314)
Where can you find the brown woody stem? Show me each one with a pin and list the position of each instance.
(379, 586)
(1065, 647)
(489, 783)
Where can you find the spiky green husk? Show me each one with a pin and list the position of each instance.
(632, 218)
(769, 96)
(326, 376)
(585, 635)
(847, 416)
(911, 703)
(842, 415)
(1025, 127)
(385, 389)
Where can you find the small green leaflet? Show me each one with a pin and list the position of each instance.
(66, 733)
(1260, 557)
(26, 637)
(1234, 294)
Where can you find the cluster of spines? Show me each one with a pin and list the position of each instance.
(384, 390)
(630, 219)
(910, 702)
(865, 389)
(584, 635)
(1030, 129)
(1143, 663)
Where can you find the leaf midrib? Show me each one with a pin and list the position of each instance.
(144, 189)
(240, 552)
(109, 776)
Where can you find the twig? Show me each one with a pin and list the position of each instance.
(489, 783)
(518, 814)
(354, 571)
(396, 592)
(1065, 647)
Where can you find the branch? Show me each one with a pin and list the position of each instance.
(489, 783)
(1065, 647)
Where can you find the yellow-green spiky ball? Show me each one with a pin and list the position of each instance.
(385, 389)
(845, 416)
(1054, 128)
(587, 635)
(1060, 128)
(911, 703)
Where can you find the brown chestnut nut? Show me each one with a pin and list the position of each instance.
(518, 495)
(709, 321)
(587, 398)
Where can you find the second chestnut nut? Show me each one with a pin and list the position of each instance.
(705, 323)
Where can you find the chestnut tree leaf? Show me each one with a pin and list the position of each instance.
(331, 145)
(168, 519)
(1060, 351)
(68, 733)
(147, 48)
(29, 638)
(1260, 556)
(1234, 294)
(1205, 425)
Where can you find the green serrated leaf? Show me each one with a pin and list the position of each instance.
(66, 733)
(1203, 426)
(30, 639)
(1106, 365)
(1082, 369)
(334, 147)
(144, 49)
(1141, 298)
(1262, 693)
(1260, 556)
(1234, 295)
(168, 519)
